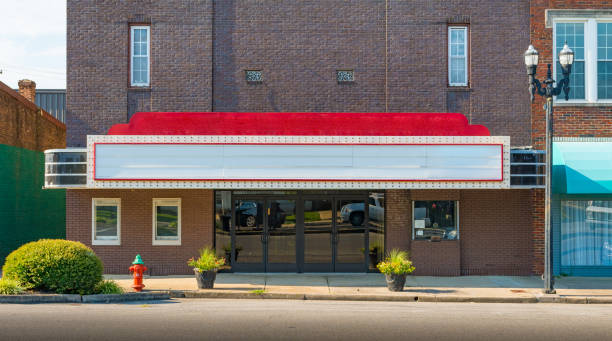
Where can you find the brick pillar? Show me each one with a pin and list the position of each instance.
(27, 89)
(537, 266)
(398, 225)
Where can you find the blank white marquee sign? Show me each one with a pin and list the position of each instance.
(286, 162)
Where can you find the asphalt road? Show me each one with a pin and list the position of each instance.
(195, 319)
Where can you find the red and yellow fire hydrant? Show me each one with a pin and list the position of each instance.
(138, 269)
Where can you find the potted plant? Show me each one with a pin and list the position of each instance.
(205, 267)
(396, 267)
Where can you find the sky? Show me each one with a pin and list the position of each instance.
(33, 42)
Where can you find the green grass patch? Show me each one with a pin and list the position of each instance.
(257, 291)
(108, 287)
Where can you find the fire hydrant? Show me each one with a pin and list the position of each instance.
(138, 269)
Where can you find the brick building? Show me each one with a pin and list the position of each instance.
(582, 195)
(164, 85)
(28, 212)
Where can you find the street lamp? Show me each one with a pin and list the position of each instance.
(566, 59)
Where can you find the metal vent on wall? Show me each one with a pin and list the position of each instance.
(527, 168)
(66, 168)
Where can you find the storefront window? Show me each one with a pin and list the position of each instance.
(223, 218)
(106, 225)
(586, 233)
(166, 221)
(435, 220)
(376, 229)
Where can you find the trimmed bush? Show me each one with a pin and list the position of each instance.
(10, 287)
(55, 265)
(108, 287)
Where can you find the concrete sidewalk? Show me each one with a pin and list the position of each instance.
(373, 287)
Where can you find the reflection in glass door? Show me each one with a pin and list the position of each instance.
(249, 226)
(318, 252)
(280, 241)
(349, 237)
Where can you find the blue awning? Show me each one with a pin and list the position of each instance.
(582, 167)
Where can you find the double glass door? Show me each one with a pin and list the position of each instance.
(299, 234)
(334, 235)
(264, 233)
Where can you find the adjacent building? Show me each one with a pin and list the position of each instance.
(302, 136)
(28, 212)
(582, 206)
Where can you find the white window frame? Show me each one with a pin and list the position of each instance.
(467, 55)
(166, 202)
(590, 61)
(456, 220)
(148, 29)
(105, 202)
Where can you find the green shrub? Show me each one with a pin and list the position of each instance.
(10, 287)
(55, 265)
(207, 261)
(108, 287)
(396, 263)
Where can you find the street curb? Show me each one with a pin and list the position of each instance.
(130, 296)
(67, 298)
(389, 298)
(40, 298)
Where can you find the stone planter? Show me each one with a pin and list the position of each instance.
(205, 279)
(395, 282)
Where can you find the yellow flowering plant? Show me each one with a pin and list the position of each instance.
(396, 263)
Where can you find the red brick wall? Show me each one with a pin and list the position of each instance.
(538, 230)
(495, 233)
(574, 121)
(98, 94)
(136, 228)
(201, 49)
(24, 125)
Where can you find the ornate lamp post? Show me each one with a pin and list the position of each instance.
(566, 59)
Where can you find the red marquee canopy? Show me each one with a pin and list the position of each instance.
(299, 124)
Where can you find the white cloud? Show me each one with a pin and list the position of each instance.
(33, 17)
(33, 42)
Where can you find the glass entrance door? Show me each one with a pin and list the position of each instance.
(265, 235)
(249, 238)
(318, 235)
(350, 238)
(280, 241)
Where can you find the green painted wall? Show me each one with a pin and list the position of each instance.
(27, 212)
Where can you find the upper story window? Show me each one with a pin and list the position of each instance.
(457, 56)
(140, 50)
(591, 41)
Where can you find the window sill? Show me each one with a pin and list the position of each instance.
(459, 88)
(139, 88)
(166, 243)
(563, 103)
(106, 242)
